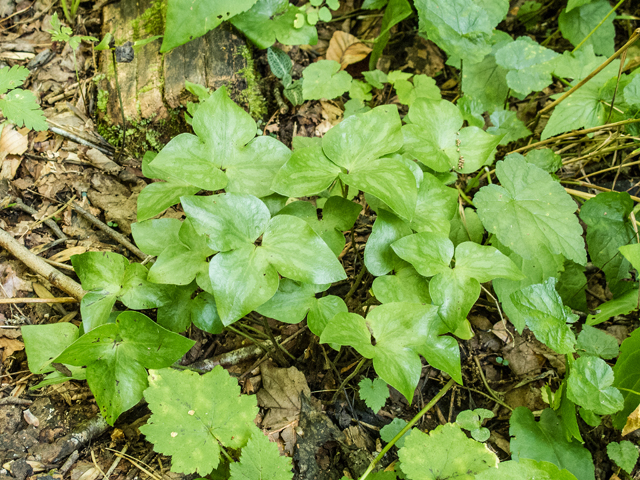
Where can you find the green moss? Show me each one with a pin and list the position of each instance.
(103, 100)
(252, 95)
(151, 22)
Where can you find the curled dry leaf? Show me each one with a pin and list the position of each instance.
(12, 141)
(633, 422)
(346, 49)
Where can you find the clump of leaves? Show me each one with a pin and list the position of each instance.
(19, 106)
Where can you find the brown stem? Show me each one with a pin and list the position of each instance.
(39, 300)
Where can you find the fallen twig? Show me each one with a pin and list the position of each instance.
(38, 265)
(38, 300)
(15, 401)
(19, 204)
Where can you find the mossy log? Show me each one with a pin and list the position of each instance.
(153, 83)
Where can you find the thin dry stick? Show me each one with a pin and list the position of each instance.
(35, 263)
(118, 237)
(632, 40)
(38, 300)
(19, 204)
(622, 165)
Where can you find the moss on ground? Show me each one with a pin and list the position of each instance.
(252, 95)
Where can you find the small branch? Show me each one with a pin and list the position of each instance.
(118, 237)
(38, 265)
(20, 205)
(38, 300)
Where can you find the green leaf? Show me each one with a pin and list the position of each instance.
(292, 301)
(379, 257)
(360, 91)
(388, 432)
(43, 343)
(571, 4)
(242, 280)
(116, 356)
(597, 343)
(631, 92)
(153, 236)
(429, 253)
(462, 28)
(590, 418)
(530, 210)
(472, 420)
(545, 441)
(230, 220)
(486, 81)
(433, 128)
(544, 158)
(632, 254)
(374, 4)
(435, 207)
(529, 14)
(324, 79)
(467, 228)
(622, 305)
(21, 108)
(546, 316)
(178, 315)
(578, 65)
(575, 24)
(279, 62)
(455, 295)
(138, 293)
(261, 460)
(627, 376)
(609, 228)
(374, 393)
(297, 252)
(507, 124)
(293, 92)
(269, 21)
(323, 311)
(186, 20)
(484, 263)
(190, 417)
(157, 197)
(406, 285)
(624, 454)
(525, 468)
(572, 285)
(445, 452)
(377, 78)
(529, 64)
(396, 11)
(308, 172)
(589, 386)
(11, 78)
(471, 111)
(325, 14)
(423, 86)
(399, 329)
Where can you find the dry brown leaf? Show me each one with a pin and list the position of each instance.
(280, 393)
(65, 255)
(633, 422)
(10, 345)
(346, 49)
(12, 142)
(41, 291)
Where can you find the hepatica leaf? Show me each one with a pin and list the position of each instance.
(530, 210)
(116, 356)
(191, 417)
(445, 452)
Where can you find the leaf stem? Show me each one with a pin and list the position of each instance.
(598, 26)
(413, 421)
(356, 284)
(346, 380)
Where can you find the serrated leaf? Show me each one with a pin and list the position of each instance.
(414, 327)
(507, 124)
(545, 441)
(576, 23)
(529, 211)
(279, 62)
(388, 432)
(596, 342)
(544, 158)
(379, 257)
(116, 356)
(374, 393)
(486, 81)
(589, 386)
(13, 77)
(462, 28)
(261, 460)
(627, 376)
(324, 79)
(445, 452)
(525, 468)
(546, 316)
(269, 21)
(624, 454)
(190, 417)
(608, 228)
(21, 107)
(529, 65)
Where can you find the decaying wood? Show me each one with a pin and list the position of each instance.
(154, 82)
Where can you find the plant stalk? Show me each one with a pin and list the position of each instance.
(598, 25)
(413, 421)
